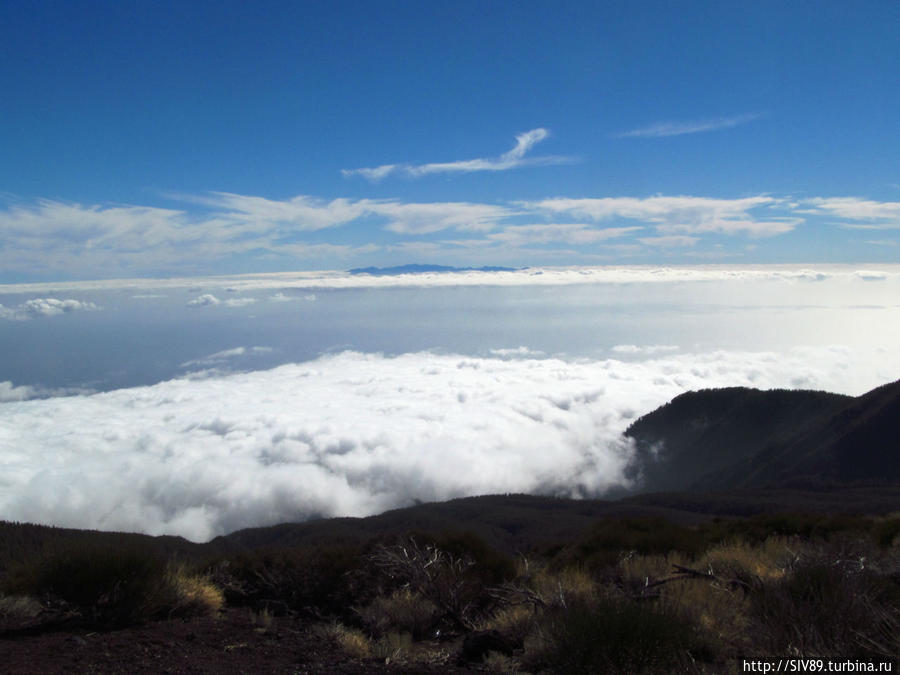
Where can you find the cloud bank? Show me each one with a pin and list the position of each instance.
(355, 434)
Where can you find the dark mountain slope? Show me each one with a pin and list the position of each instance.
(858, 442)
(729, 438)
(709, 431)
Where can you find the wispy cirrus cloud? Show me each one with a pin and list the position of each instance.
(680, 128)
(513, 159)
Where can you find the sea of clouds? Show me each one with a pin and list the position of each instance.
(353, 434)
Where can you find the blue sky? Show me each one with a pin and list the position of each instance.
(172, 138)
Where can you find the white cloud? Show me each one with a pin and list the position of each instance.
(9, 392)
(373, 174)
(412, 218)
(301, 213)
(664, 129)
(355, 434)
(881, 215)
(679, 214)
(569, 233)
(210, 300)
(512, 159)
(205, 300)
(306, 213)
(37, 307)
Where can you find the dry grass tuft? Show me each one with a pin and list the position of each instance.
(193, 594)
(565, 586)
(514, 623)
(351, 641)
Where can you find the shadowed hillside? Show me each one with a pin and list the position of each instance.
(736, 437)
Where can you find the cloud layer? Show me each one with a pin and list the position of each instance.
(354, 434)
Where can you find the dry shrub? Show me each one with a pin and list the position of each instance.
(404, 611)
(314, 580)
(446, 579)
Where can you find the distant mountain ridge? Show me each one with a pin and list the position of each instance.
(747, 438)
(423, 269)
